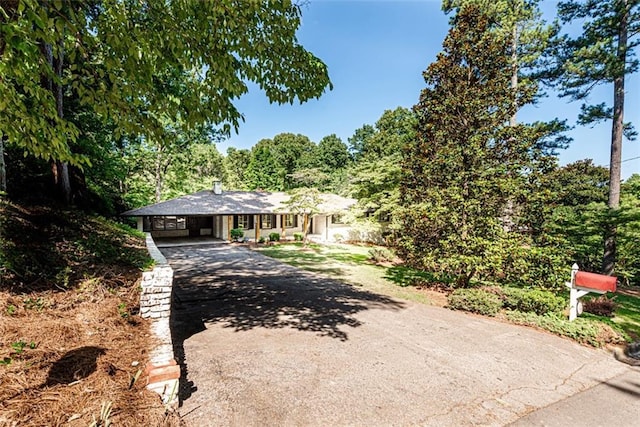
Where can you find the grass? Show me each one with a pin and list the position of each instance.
(627, 314)
(350, 263)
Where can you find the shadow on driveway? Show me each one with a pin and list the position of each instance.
(243, 290)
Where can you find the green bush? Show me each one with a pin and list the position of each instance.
(475, 301)
(547, 267)
(237, 233)
(274, 237)
(586, 331)
(298, 237)
(262, 240)
(532, 301)
(381, 254)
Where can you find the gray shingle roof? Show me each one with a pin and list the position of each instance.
(206, 202)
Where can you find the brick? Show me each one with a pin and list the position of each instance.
(151, 367)
(164, 374)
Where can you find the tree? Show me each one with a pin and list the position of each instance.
(263, 171)
(358, 141)
(375, 177)
(291, 152)
(520, 23)
(116, 50)
(305, 202)
(332, 154)
(235, 165)
(194, 170)
(602, 54)
(467, 160)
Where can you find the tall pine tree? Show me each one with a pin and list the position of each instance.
(604, 53)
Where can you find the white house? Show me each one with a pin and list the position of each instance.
(215, 212)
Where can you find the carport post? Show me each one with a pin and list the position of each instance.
(284, 230)
(257, 220)
(229, 225)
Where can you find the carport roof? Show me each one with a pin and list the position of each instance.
(206, 202)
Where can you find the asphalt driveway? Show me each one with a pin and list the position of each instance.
(263, 343)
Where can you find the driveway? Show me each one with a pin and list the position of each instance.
(263, 343)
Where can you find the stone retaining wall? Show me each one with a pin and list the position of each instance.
(155, 303)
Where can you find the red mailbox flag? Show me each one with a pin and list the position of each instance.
(595, 281)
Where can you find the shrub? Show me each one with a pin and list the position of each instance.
(274, 237)
(298, 237)
(585, 331)
(381, 254)
(237, 233)
(475, 301)
(601, 306)
(532, 301)
(338, 237)
(547, 267)
(262, 240)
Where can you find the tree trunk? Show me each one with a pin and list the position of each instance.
(609, 258)
(159, 182)
(63, 167)
(514, 74)
(3, 169)
(159, 176)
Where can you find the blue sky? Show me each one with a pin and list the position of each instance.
(376, 52)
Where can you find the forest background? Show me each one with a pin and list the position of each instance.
(155, 136)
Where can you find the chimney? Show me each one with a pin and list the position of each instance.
(217, 187)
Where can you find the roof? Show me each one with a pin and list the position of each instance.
(206, 202)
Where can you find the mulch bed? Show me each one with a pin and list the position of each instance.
(71, 340)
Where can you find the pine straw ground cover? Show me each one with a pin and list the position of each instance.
(71, 341)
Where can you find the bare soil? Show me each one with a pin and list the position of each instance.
(71, 343)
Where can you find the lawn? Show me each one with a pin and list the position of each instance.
(351, 264)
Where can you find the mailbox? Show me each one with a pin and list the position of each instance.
(595, 282)
(583, 283)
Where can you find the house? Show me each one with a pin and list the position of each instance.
(215, 212)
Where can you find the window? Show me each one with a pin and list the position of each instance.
(290, 221)
(244, 221)
(267, 221)
(337, 219)
(169, 223)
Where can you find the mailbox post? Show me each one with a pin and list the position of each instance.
(583, 283)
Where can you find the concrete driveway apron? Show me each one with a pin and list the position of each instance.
(263, 343)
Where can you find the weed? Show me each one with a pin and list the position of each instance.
(123, 311)
(381, 254)
(103, 418)
(11, 309)
(62, 277)
(33, 303)
(6, 361)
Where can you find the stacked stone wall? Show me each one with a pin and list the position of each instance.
(163, 373)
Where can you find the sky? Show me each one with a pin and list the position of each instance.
(376, 51)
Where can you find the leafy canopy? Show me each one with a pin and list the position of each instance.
(115, 51)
